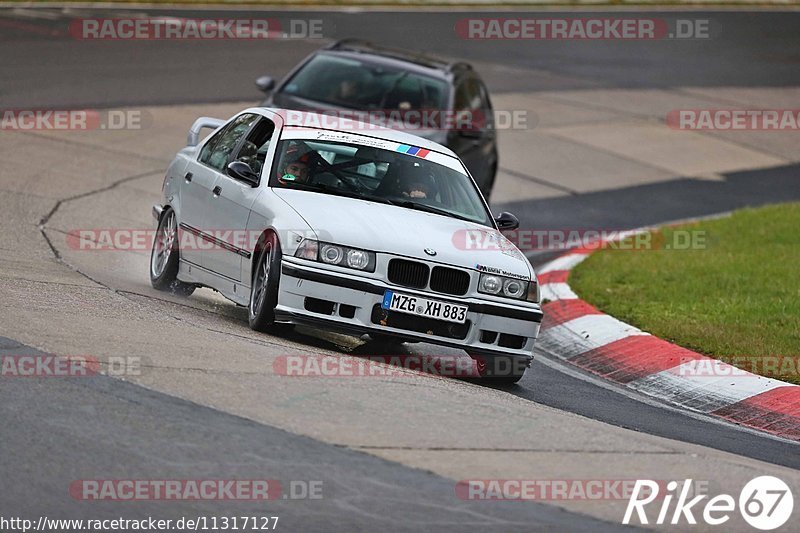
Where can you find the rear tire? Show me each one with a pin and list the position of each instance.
(165, 257)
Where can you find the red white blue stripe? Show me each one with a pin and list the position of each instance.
(413, 150)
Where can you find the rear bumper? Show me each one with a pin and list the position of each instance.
(351, 304)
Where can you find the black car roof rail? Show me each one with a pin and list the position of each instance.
(459, 65)
(341, 43)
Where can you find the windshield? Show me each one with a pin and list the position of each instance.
(378, 175)
(356, 84)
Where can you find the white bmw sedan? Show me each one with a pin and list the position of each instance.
(317, 220)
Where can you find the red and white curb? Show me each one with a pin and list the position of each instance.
(581, 335)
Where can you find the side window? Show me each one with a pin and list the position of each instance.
(487, 114)
(217, 151)
(462, 97)
(471, 104)
(205, 153)
(470, 96)
(474, 95)
(254, 149)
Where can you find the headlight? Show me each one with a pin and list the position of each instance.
(334, 254)
(503, 286)
(331, 254)
(514, 288)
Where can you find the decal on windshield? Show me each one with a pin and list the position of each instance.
(348, 138)
(413, 150)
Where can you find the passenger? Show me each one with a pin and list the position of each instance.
(417, 189)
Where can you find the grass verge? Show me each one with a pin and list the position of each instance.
(733, 295)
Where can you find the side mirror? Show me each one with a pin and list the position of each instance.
(265, 83)
(507, 221)
(242, 171)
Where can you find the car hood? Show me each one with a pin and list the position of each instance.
(402, 231)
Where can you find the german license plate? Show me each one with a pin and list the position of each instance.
(414, 305)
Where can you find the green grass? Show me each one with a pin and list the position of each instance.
(739, 295)
(426, 3)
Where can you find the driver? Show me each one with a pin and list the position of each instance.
(296, 170)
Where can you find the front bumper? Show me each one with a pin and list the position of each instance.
(349, 303)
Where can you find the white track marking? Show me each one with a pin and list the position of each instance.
(705, 385)
(551, 360)
(21, 12)
(585, 333)
(557, 291)
(565, 262)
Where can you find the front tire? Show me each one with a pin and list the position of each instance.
(500, 370)
(264, 289)
(165, 257)
(388, 340)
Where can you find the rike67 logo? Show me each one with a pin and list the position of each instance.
(765, 503)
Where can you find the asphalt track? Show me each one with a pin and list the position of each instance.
(745, 50)
(123, 424)
(761, 50)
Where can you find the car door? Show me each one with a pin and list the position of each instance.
(232, 200)
(199, 182)
(474, 145)
(195, 195)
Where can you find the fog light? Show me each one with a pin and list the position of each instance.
(490, 284)
(358, 259)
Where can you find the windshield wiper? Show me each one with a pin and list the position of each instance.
(341, 192)
(319, 187)
(430, 209)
